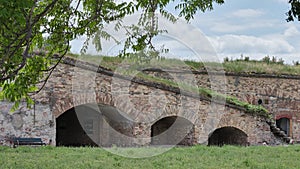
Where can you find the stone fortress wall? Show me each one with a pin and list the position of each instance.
(280, 95)
(115, 111)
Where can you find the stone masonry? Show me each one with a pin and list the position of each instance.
(133, 107)
(278, 94)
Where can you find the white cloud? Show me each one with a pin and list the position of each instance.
(223, 27)
(291, 32)
(247, 13)
(226, 27)
(283, 45)
(238, 44)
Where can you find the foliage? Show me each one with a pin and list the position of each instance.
(249, 108)
(267, 59)
(227, 157)
(32, 32)
(294, 12)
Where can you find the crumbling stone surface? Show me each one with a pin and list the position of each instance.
(143, 105)
(25, 122)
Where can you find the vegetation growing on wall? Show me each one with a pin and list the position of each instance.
(267, 65)
(130, 67)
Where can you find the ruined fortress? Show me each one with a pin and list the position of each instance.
(84, 105)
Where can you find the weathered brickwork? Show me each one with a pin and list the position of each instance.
(134, 109)
(280, 95)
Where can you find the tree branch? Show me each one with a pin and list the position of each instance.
(52, 69)
(44, 12)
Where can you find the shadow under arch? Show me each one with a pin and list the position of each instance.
(93, 125)
(70, 132)
(228, 136)
(173, 130)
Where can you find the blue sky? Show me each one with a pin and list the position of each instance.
(243, 27)
(252, 28)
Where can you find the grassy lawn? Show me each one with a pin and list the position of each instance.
(182, 157)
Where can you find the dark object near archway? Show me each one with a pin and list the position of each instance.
(259, 101)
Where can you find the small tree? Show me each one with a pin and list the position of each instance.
(27, 26)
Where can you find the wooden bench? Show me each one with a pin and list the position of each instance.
(17, 141)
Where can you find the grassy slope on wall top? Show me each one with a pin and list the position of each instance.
(129, 66)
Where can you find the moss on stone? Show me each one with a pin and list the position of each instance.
(111, 63)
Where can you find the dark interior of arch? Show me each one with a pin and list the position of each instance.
(228, 136)
(69, 131)
(172, 131)
(284, 124)
(85, 126)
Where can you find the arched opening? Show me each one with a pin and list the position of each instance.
(284, 125)
(172, 130)
(228, 136)
(93, 125)
(70, 132)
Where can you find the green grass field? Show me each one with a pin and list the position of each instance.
(255, 157)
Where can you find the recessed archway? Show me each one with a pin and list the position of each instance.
(284, 125)
(172, 130)
(71, 132)
(228, 136)
(93, 125)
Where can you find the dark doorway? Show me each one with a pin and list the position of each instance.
(284, 125)
(172, 131)
(227, 136)
(72, 132)
(94, 125)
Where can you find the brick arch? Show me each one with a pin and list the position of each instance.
(169, 115)
(240, 126)
(106, 130)
(280, 116)
(243, 122)
(190, 113)
(173, 130)
(228, 135)
(64, 104)
(234, 126)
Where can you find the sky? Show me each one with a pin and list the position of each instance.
(251, 28)
(236, 28)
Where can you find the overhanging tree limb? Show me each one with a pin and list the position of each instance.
(50, 25)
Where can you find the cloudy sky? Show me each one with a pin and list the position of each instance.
(251, 28)
(238, 27)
